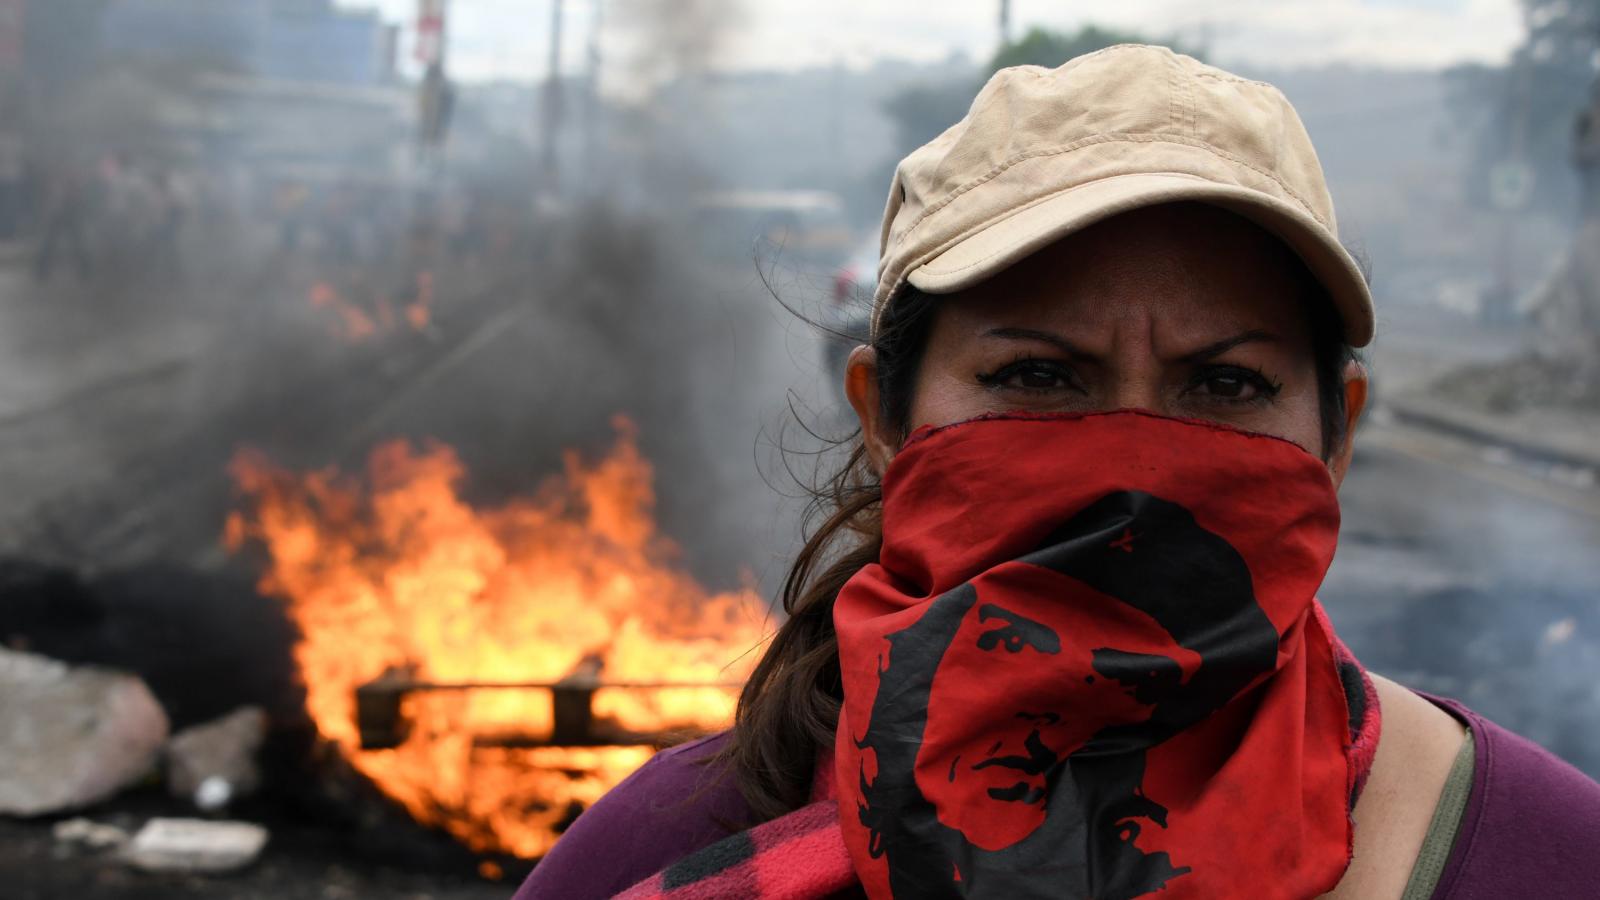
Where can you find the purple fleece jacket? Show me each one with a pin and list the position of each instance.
(1531, 827)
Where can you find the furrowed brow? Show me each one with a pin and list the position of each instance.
(1212, 351)
(1030, 334)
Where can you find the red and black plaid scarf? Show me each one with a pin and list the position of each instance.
(1088, 663)
(796, 857)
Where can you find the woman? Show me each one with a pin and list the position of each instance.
(1058, 638)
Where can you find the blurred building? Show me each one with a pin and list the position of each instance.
(11, 110)
(314, 131)
(290, 40)
(278, 86)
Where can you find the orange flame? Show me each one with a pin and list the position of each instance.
(419, 312)
(354, 323)
(351, 322)
(400, 573)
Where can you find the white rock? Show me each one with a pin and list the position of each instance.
(214, 793)
(213, 763)
(195, 845)
(96, 835)
(71, 736)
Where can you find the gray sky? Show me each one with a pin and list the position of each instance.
(506, 38)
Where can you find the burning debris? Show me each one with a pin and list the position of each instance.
(381, 709)
(494, 670)
(355, 320)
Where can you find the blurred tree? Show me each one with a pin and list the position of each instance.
(921, 111)
(1539, 115)
(1043, 47)
(1525, 112)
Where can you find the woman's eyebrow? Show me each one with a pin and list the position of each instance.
(1211, 351)
(1029, 334)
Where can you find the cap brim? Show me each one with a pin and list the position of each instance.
(1004, 242)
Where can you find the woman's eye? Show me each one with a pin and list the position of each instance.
(1236, 385)
(1039, 377)
(1030, 375)
(1230, 386)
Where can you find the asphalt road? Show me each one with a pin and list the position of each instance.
(1465, 576)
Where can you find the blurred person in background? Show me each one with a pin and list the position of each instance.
(1057, 635)
(291, 206)
(66, 200)
(174, 197)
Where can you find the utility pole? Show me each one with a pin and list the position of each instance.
(434, 96)
(13, 113)
(1005, 23)
(552, 102)
(1510, 189)
(591, 95)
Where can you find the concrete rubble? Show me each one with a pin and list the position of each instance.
(214, 763)
(89, 833)
(195, 845)
(72, 736)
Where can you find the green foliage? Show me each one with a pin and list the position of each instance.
(1042, 47)
(920, 112)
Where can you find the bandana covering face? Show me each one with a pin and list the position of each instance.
(1089, 663)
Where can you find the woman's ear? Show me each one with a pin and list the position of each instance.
(861, 388)
(1356, 386)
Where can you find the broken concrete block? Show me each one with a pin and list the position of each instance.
(91, 834)
(71, 736)
(195, 845)
(214, 763)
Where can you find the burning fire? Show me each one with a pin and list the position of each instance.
(397, 574)
(355, 322)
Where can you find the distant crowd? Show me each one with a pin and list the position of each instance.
(118, 217)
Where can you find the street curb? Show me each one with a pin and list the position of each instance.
(1458, 421)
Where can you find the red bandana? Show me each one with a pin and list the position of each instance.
(1089, 663)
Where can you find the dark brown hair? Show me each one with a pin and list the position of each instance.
(789, 709)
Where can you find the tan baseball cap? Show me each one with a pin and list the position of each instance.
(1043, 153)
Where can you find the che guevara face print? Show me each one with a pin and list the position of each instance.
(1012, 720)
(1090, 662)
